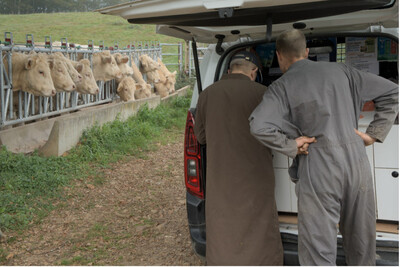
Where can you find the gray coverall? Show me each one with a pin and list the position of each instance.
(334, 182)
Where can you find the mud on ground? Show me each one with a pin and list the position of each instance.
(136, 217)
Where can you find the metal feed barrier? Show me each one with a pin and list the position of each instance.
(22, 107)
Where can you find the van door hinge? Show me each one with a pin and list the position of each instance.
(225, 12)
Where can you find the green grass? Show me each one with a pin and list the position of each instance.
(30, 184)
(78, 28)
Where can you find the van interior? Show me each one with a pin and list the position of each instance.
(376, 54)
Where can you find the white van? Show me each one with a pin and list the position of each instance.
(360, 33)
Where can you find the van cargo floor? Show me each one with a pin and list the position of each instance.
(387, 227)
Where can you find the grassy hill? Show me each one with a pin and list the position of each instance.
(79, 28)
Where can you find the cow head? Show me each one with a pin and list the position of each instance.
(147, 64)
(105, 67)
(142, 91)
(61, 79)
(38, 79)
(126, 89)
(122, 62)
(73, 73)
(88, 84)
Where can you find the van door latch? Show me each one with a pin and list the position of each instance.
(225, 12)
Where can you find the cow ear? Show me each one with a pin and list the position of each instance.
(51, 63)
(117, 58)
(119, 89)
(29, 63)
(174, 73)
(107, 59)
(79, 67)
(125, 59)
(138, 86)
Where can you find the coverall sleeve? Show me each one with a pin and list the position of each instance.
(383, 93)
(269, 123)
(199, 120)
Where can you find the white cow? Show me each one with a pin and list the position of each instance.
(150, 67)
(140, 82)
(169, 76)
(105, 67)
(88, 84)
(59, 73)
(122, 62)
(31, 73)
(74, 73)
(126, 89)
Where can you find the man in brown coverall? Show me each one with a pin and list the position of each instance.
(241, 216)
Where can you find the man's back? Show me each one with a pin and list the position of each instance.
(325, 99)
(321, 100)
(229, 102)
(241, 216)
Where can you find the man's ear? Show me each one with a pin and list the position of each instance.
(253, 74)
(306, 53)
(278, 55)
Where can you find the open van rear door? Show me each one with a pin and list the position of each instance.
(203, 19)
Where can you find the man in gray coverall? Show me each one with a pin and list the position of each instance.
(334, 182)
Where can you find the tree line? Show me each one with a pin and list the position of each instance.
(52, 6)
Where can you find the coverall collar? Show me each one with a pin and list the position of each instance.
(298, 64)
(235, 76)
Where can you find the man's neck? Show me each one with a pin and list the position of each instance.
(240, 72)
(291, 62)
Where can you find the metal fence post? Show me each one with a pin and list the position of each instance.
(186, 66)
(3, 108)
(180, 52)
(190, 59)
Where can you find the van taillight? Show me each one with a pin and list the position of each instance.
(192, 159)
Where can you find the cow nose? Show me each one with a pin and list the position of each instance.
(79, 77)
(73, 87)
(53, 92)
(97, 90)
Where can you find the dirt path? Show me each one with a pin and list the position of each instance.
(137, 217)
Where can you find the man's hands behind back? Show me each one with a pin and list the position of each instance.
(368, 140)
(303, 142)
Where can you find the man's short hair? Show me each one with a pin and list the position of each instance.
(291, 43)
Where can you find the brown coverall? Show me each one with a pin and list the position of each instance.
(241, 216)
